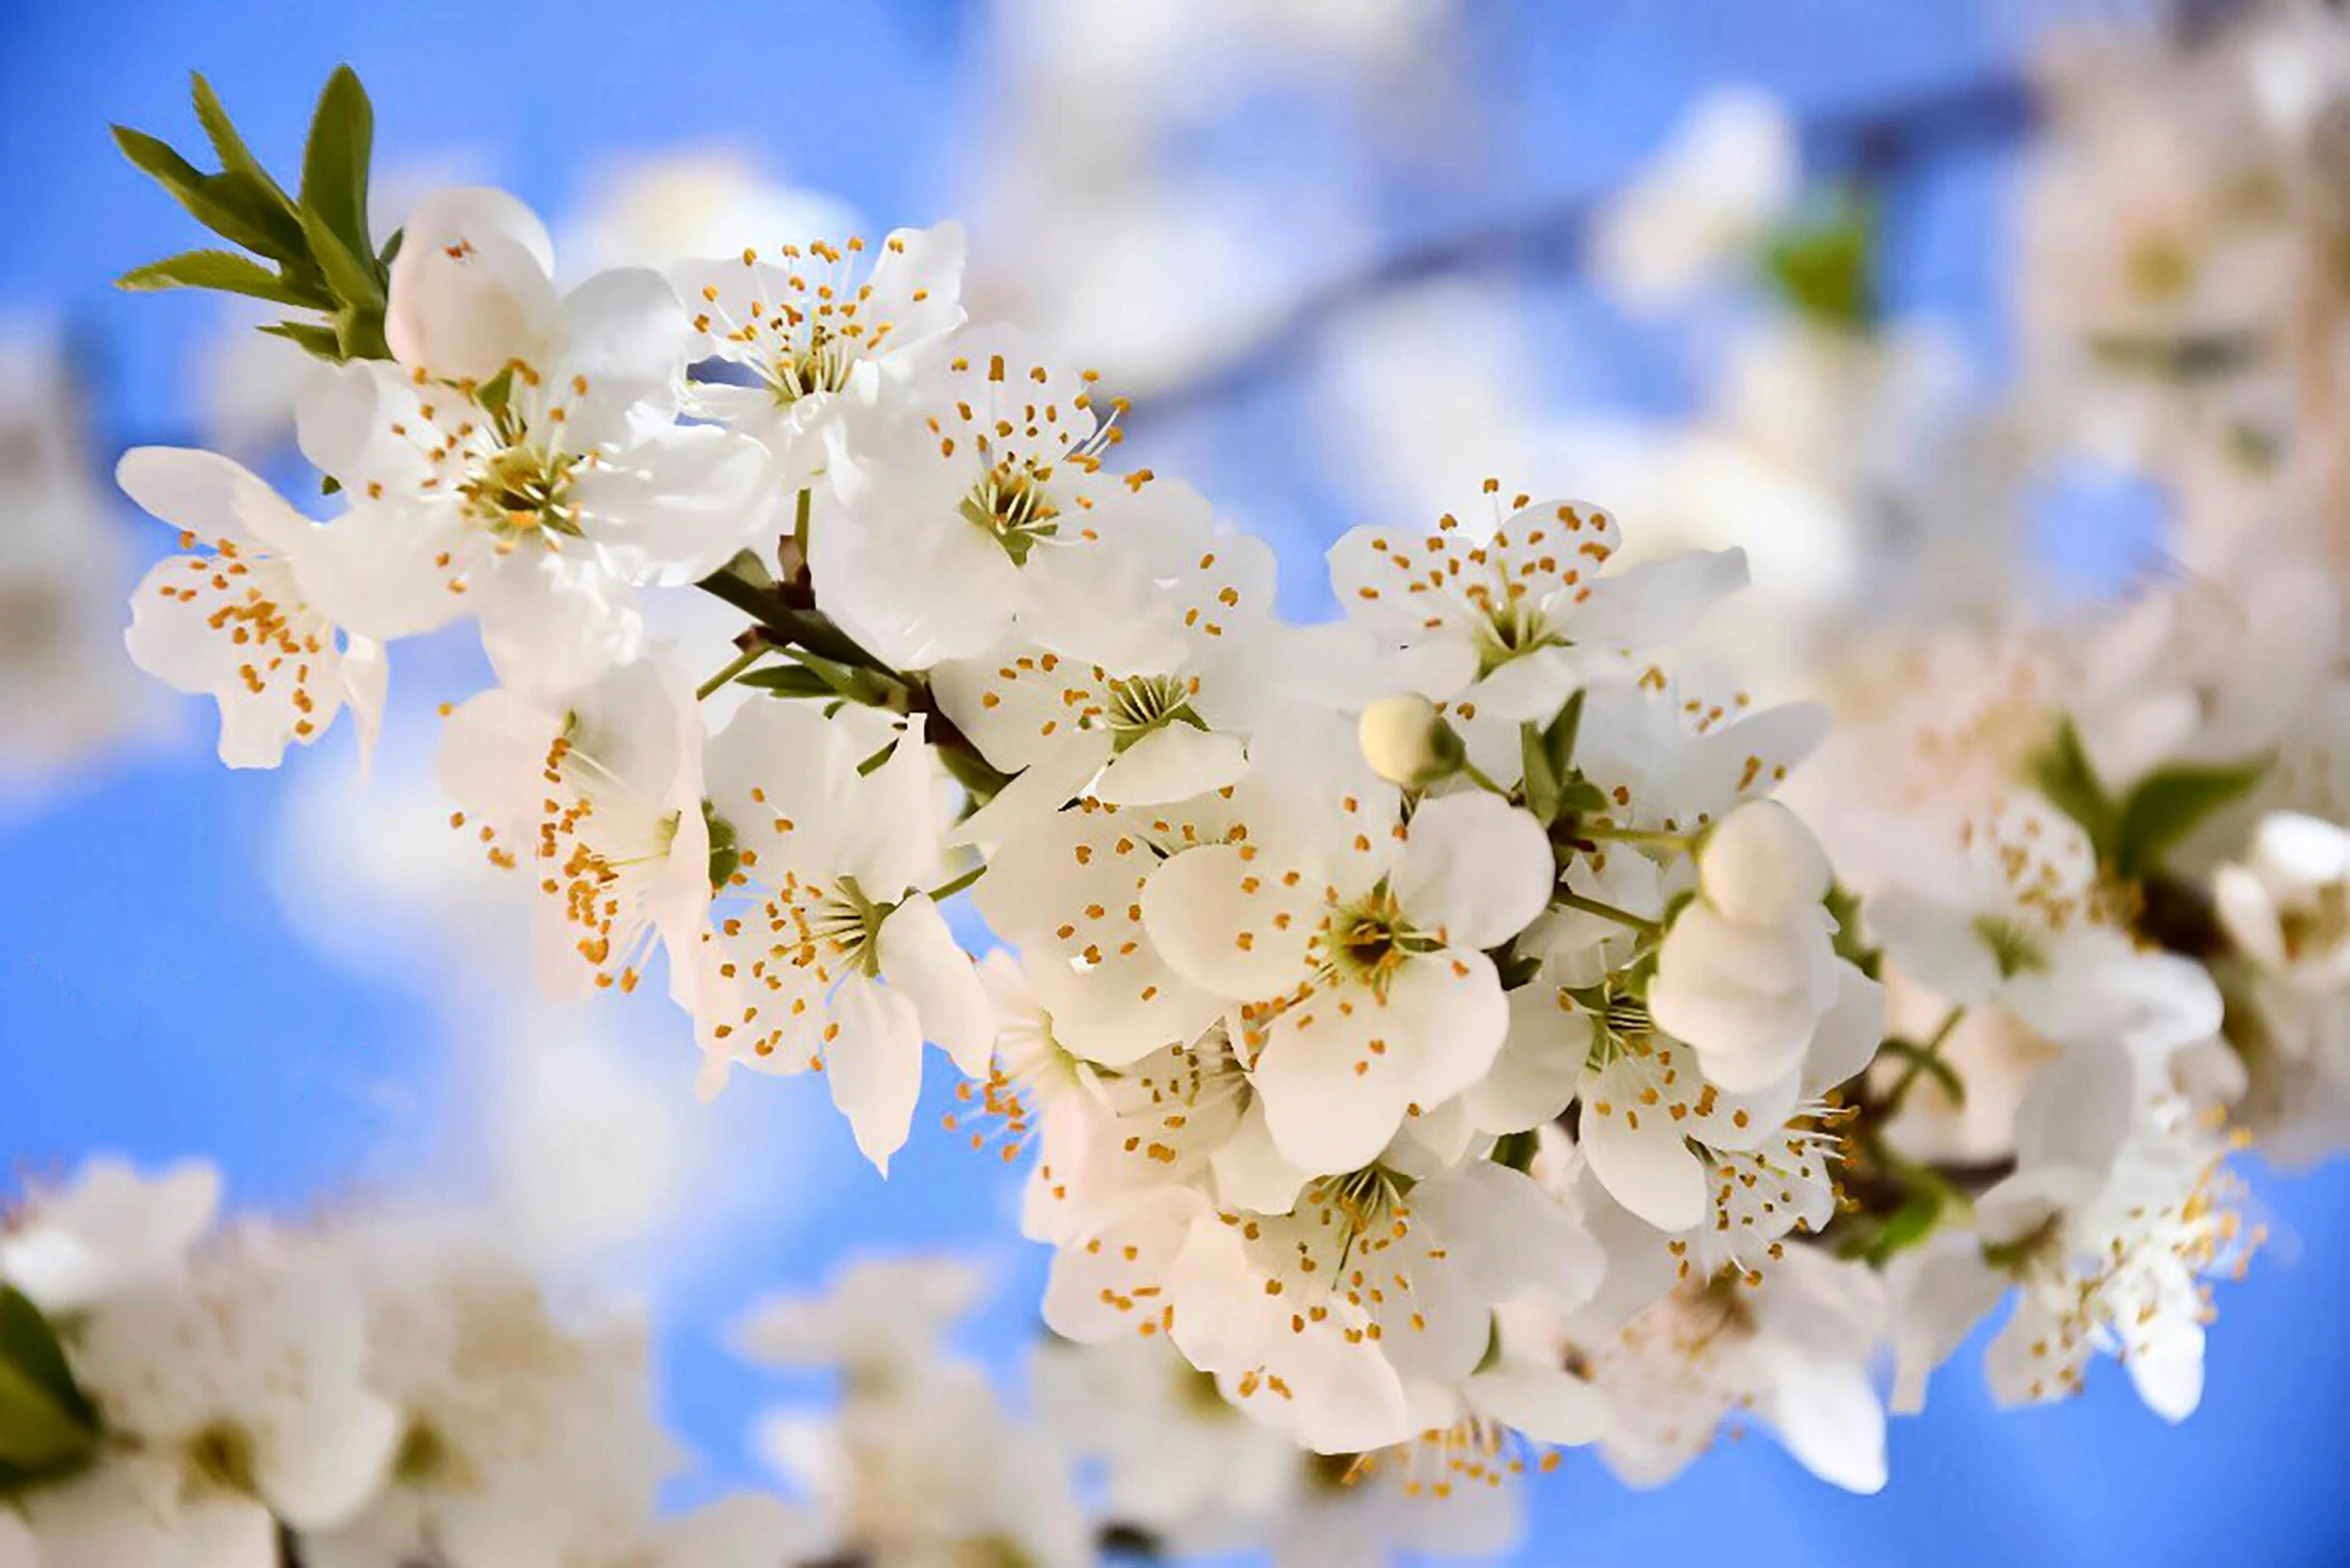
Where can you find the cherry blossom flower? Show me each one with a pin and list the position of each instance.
(596, 797)
(243, 621)
(825, 948)
(520, 461)
(824, 346)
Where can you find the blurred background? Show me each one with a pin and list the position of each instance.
(1347, 257)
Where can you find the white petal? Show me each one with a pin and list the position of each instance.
(2077, 1111)
(1250, 1171)
(1658, 600)
(626, 333)
(1540, 1065)
(1548, 1405)
(209, 496)
(1222, 916)
(875, 1065)
(1173, 762)
(1934, 945)
(1475, 870)
(1761, 865)
(1940, 1291)
(1829, 1418)
(1643, 1160)
(678, 504)
(470, 289)
(1340, 1070)
(920, 957)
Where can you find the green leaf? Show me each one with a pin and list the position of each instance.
(223, 270)
(46, 1423)
(1578, 794)
(1542, 784)
(314, 338)
(1515, 1149)
(2171, 803)
(237, 207)
(2063, 773)
(235, 157)
(1558, 741)
(787, 680)
(351, 276)
(1906, 1226)
(1826, 267)
(334, 174)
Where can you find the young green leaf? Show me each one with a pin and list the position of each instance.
(2063, 773)
(46, 1422)
(1558, 741)
(1906, 1226)
(351, 275)
(787, 680)
(312, 337)
(232, 207)
(1826, 267)
(334, 172)
(2171, 803)
(225, 271)
(235, 157)
(1541, 784)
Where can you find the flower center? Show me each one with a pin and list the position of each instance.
(848, 924)
(2014, 948)
(822, 364)
(524, 488)
(1013, 506)
(1510, 628)
(1140, 704)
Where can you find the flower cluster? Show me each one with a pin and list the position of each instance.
(1434, 1039)
(378, 1391)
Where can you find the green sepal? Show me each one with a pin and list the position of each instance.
(1843, 906)
(1515, 1150)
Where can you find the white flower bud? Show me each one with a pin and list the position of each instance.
(1761, 864)
(1407, 741)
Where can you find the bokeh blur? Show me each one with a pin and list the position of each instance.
(1346, 257)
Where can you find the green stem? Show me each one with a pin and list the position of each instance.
(741, 662)
(1931, 1051)
(1476, 776)
(799, 527)
(1600, 830)
(946, 890)
(1606, 911)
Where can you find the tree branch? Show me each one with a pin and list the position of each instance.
(1869, 145)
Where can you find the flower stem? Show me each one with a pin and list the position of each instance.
(1606, 911)
(1930, 1052)
(735, 666)
(946, 890)
(799, 527)
(1476, 776)
(1600, 830)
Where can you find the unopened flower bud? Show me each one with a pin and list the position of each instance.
(1760, 864)
(1407, 741)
